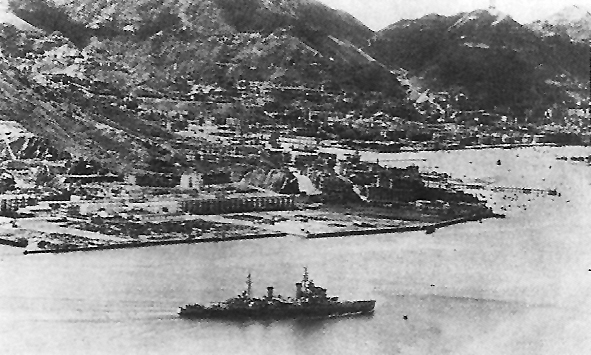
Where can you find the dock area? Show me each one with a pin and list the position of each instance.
(47, 236)
(157, 243)
(428, 227)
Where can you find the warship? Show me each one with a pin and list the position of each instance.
(309, 301)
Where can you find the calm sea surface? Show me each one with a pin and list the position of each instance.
(515, 286)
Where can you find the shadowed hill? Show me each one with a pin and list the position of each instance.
(176, 41)
(497, 62)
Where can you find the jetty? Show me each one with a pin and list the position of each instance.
(429, 227)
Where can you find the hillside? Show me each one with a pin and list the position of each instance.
(40, 81)
(498, 63)
(73, 69)
(166, 46)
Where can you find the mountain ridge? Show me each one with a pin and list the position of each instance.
(499, 63)
(572, 21)
(158, 30)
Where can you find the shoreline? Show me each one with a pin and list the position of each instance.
(450, 149)
(157, 243)
(430, 228)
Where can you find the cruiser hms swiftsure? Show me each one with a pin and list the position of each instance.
(310, 301)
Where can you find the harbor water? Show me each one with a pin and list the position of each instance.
(519, 285)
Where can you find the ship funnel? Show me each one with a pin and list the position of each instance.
(298, 290)
(270, 292)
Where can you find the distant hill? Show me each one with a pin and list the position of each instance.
(498, 63)
(573, 21)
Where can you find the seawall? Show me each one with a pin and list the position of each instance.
(156, 243)
(430, 227)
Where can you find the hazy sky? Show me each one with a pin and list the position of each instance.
(377, 14)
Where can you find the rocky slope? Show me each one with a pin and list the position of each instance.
(498, 63)
(168, 45)
(40, 88)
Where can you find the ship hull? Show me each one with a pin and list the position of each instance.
(281, 312)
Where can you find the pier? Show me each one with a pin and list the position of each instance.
(429, 227)
(521, 189)
(527, 190)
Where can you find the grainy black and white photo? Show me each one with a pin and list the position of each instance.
(298, 177)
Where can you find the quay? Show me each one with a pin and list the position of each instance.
(135, 244)
(522, 189)
(429, 228)
(480, 186)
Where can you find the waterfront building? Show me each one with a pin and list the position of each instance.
(238, 204)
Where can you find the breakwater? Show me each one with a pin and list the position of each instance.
(429, 227)
(137, 244)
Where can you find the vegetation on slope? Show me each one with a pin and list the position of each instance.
(501, 65)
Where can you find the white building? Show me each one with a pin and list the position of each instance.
(191, 181)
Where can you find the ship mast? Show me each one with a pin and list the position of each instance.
(306, 278)
(248, 285)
